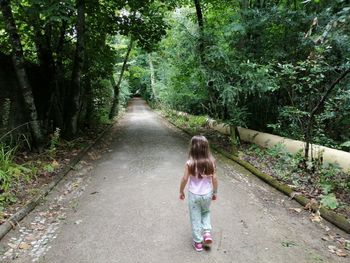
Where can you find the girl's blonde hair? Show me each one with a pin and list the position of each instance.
(201, 161)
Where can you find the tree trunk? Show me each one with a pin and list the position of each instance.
(233, 138)
(59, 94)
(19, 65)
(262, 2)
(115, 104)
(153, 77)
(73, 99)
(42, 40)
(201, 29)
(89, 104)
(244, 4)
(202, 47)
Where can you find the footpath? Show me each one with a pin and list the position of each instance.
(123, 207)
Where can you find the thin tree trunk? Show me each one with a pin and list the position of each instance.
(153, 77)
(115, 104)
(309, 127)
(89, 101)
(244, 4)
(201, 28)
(59, 95)
(19, 65)
(74, 94)
(201, 44)
(233, 139)
(262, 2)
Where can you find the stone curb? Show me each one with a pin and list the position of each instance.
(26, 209)
(336, 219)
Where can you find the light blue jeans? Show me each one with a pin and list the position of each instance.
(199, 215)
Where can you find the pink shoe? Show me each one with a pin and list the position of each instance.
(197, 246)
(207, 238)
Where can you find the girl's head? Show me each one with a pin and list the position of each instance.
(201, 160)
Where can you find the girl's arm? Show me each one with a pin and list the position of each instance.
(215, 186)
(184, 182)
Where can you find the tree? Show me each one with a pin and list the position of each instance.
(116, 86)
(320, 103)
(72, 107)
(19, 65)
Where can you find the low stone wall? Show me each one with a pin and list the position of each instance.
(267, 140)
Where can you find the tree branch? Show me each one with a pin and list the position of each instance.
(328, 91)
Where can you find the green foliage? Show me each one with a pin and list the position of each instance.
(187, 121)
(10, 174)
(332, 179)
(102, 100)
(125, 93)
(328, 178)
(48, 34)
(48, 168)
(345, 145)
(54, 142)
(250, 74)
(9, 169)
(330, 201)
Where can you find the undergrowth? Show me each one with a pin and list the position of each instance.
(11, 174)
(191, 122)
(320, 180)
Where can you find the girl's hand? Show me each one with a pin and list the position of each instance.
(182, 196)
(214, 197)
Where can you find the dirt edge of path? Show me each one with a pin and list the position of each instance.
(13, 221)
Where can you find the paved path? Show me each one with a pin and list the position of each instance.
(129, 211)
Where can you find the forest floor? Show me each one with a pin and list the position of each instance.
(120, 204)
(42, 168)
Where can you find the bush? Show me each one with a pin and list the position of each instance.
(10, 174)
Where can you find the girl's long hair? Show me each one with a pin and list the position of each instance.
(201, 162)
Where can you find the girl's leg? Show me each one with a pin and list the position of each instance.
(205, 213)
(194, 203)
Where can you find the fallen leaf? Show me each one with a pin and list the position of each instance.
(325, 239)
(341, 253)
(55, 164)
(298, 210)
(315, 218)
(332, 249)
(331, 236)
(78, 222)
(24, 246)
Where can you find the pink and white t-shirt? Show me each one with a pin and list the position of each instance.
(200, 186)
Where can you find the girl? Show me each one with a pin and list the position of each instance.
(203, 185)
